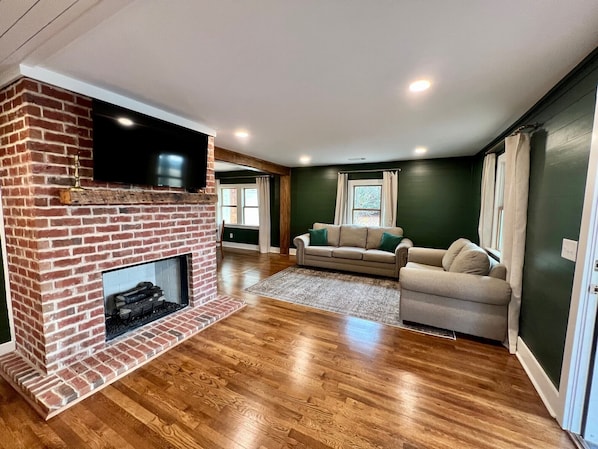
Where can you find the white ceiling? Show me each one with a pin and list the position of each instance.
(323, 78)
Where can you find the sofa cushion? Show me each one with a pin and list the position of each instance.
(322, 251)
(348, 252)
(376, 255)
(375, 235)
(318, 237)
(389, 242)
(334, 232)
(452, 252)
(471, 260)
(353, 235)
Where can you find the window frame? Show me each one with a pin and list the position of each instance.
(240, 204)
(351, 197)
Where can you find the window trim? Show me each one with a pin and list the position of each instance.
(352, 183)
(240, 204)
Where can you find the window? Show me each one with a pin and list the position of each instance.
(239, 204)
(499, 197)
(365, 202)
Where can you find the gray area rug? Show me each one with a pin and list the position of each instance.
(369, 298)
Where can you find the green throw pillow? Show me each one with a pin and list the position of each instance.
(389, 242)
(318, 237)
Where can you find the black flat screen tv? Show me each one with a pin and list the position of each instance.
(134, 148)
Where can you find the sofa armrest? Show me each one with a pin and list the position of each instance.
(467, 287)
(300, 242)
(426, 256)
(401, 252)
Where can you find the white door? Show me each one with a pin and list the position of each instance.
(590, 431)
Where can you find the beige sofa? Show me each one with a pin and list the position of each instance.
(461, 289)
(353, 248)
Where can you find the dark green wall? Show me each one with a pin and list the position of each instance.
(4, 325)
(558, 168)
(437, 203)
(251, 236)
(559, 161)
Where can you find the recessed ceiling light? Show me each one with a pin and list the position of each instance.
(242, 134)
(421, 150)
(305, 159)
(125, 121)
(419, 85)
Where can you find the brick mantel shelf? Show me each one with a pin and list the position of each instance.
(112, 196)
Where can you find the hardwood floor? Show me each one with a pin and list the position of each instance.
(276, 375)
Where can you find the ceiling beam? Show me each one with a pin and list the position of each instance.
(224, 155)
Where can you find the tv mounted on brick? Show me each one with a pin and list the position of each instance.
(134, 148)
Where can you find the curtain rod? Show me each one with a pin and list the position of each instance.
(369, 171)
(495, 148)
(245, 176)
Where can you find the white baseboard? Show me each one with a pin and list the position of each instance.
(542, 383)
(292, 251)
(249, 246)
(236, 245)
(7, 347)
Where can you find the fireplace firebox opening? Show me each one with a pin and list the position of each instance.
(139, 294)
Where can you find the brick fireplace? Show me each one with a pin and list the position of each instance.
(60, 241)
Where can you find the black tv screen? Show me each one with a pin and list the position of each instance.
(145, 150)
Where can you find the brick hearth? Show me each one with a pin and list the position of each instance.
(53, 393)
(58, 249)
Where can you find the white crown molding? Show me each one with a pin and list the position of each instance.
(90, 90)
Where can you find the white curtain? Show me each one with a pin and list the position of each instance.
(218, 205)
(517, 155)
(263, 194)
(342, 192)
(390, 191)
(487, 204)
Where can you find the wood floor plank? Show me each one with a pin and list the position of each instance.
(276, 375)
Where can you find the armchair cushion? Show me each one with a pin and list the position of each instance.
(471, 260)
(452, 252)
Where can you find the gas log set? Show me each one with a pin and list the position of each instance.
(135, 307)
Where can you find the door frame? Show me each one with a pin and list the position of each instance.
(9, 346)
(577, 356)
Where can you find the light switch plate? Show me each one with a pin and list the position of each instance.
(569, 250)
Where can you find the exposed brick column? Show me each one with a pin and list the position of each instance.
(56, 253)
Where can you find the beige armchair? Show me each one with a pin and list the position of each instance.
(461, 289)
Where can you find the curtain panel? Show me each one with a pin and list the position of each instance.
(263, 193)
(342, 196)
(517, 155)
(390, 192)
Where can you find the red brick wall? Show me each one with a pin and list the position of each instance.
(56, 253)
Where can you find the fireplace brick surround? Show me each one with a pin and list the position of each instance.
(58, 249)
